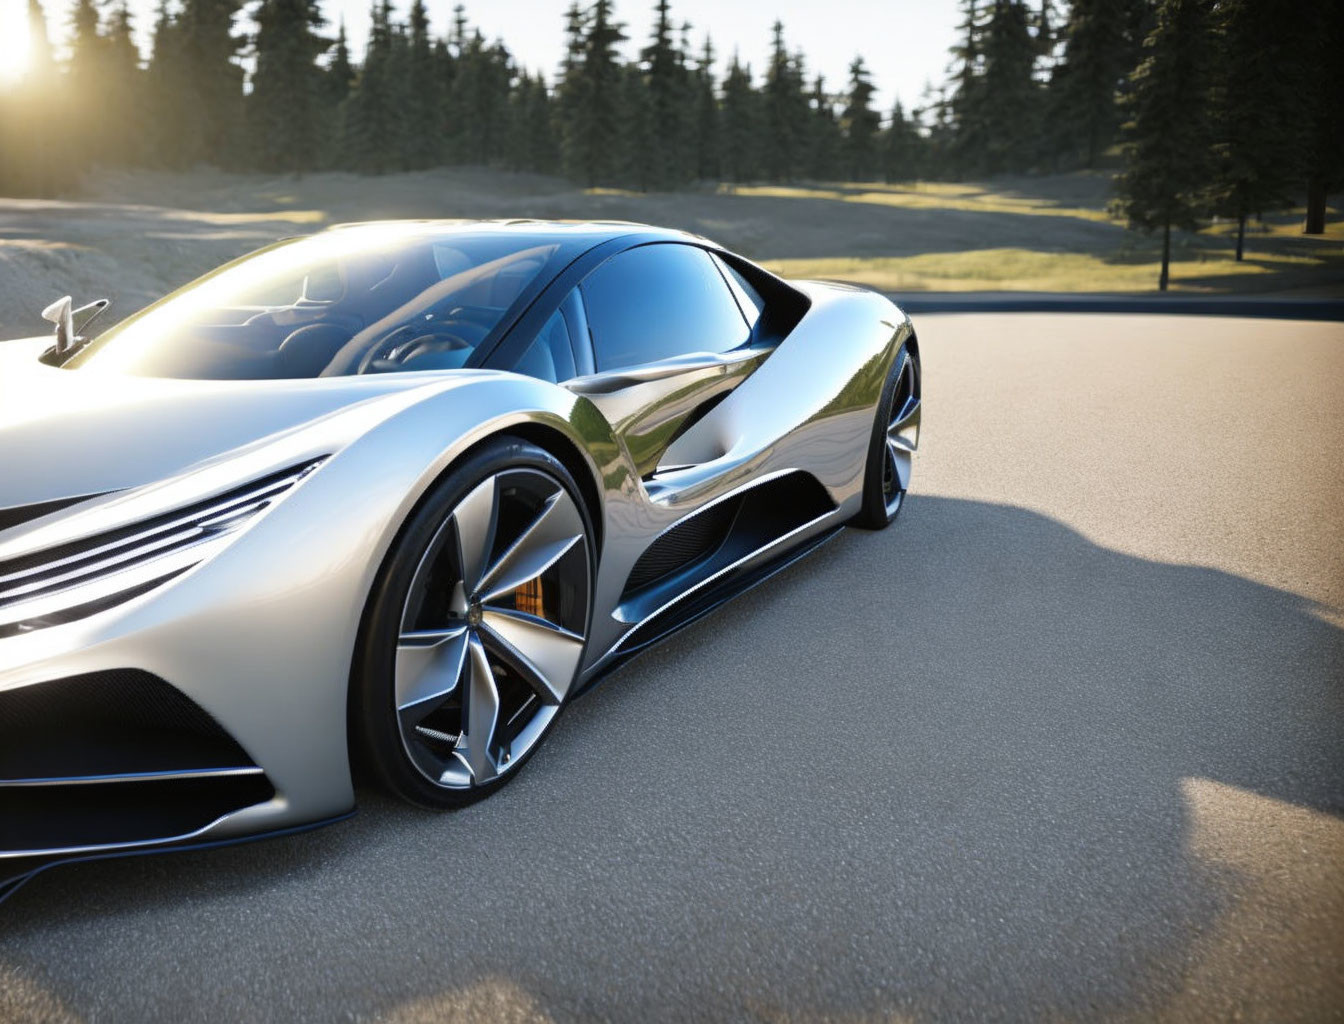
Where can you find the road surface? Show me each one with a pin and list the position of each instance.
(1067, 743)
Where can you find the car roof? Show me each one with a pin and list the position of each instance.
(592, 232)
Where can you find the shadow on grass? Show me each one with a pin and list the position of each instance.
(941, 770)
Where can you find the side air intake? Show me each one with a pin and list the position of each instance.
(117, 756)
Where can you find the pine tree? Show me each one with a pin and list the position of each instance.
(337, 81)
(666, 158)
(1008, 93)
(569, 87)
(707, 132)
(209, 124)
(1100, 49)
(1257, 87)
(285, 109)
(424, 98)
(165, 84)
(1167, 137)
(1323, 102)
(634, 160)
(479, 101)
(898, 147)
(591, 126)
(532, 140)
(340, 71)
(824, 157)
(787, 112)
(373, 124)
(85, 76)
(739, 150)
(960, 111)
(122, 90)
(860, 124)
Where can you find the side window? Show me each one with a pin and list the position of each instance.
(748, 298)
(551, 356)
(659, 301)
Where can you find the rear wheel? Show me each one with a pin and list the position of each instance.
(895, 437)
(477, 628)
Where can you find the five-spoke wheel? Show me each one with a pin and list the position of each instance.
(490, 587)
(895, 437)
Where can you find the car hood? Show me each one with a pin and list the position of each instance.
(66, 433)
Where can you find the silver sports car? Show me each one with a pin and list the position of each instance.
(386, 498)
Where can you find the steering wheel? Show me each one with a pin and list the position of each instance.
(410, 339)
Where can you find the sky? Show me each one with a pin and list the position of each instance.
(903, 42)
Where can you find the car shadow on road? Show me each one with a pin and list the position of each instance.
(944, 770)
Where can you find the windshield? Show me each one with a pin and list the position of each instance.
(362, 300)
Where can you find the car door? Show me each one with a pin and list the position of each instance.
(670, 339)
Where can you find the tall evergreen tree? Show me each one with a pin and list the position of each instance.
(340, 71)
(1167, 135)
(1009, 95)
(707, 131)
(960, 111)
(1323, 102)
(122, 90)
(531, 140)
(1257, 87)
(424, 97)
(1101, 47)
(210, 113)
(787, 112)
(567, 104)
(373, 123)
(286, 108)
(860, 123)
(165, 84)
(593, 92)
(739, 150)
(898, 147)
(85, 74)
(665, 155)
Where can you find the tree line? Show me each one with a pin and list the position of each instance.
(1211, 106)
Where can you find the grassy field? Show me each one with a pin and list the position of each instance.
(134, 236)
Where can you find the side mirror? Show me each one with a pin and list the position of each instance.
(67, 337)
(59, 313)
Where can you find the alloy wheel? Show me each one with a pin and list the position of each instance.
(492, 630)
(902, 434)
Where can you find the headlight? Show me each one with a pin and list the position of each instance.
(67, 582)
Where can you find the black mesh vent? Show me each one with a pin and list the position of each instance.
(111, 758)
(115, 722)
(683, 544)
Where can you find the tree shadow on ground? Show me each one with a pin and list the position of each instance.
(932, 772)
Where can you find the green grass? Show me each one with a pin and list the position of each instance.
(1031, 270)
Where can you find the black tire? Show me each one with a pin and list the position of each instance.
(375, 732)
(882, 502)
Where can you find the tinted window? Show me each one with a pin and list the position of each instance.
(659, 301)
(359, 300)
(551, 356)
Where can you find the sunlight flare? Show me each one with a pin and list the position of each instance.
(16, 43)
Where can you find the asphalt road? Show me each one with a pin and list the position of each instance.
(1067, 743)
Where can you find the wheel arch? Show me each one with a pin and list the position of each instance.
(550, 440)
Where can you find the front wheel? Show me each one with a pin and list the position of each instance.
(895, 437)
(476, 628)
